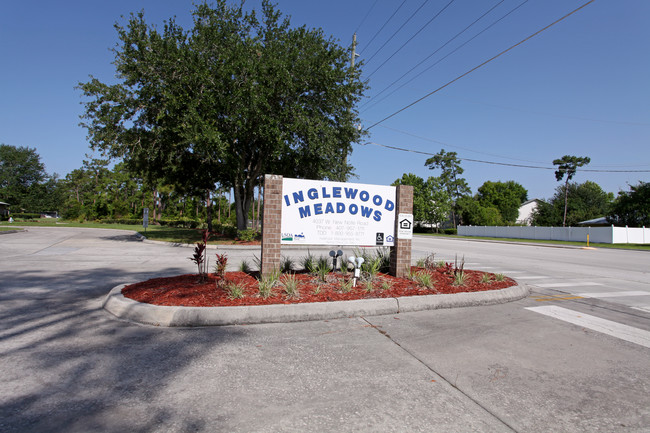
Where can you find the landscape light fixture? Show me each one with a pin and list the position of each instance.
(335, 255)
(356, 262)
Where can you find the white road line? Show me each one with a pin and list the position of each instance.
(614, 329)
(613, 294)
(644, 309)
(569, 284)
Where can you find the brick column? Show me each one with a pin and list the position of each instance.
(271, 221)
(400, 254)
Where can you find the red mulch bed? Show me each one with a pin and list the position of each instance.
(188, 290)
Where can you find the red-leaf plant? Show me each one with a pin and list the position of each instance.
(220, 267)
(200, 255)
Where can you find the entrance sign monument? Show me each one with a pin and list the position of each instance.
(315, 212)
(318, 212)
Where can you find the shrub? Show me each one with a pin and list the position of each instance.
(346, 286)
(235, 291)
(309, 263)
(220, 265)
(424, 279)
(287, 265)
(248, 235)
(290, 285)
(267, 282)
(181, 223)
(460, 278)
(322, 268)
(23, 215)
(245, 267)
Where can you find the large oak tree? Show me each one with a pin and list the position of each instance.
(235, 97)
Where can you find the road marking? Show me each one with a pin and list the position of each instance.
(614, 329)
(555, 297)
(569, 284)
(614, 294)
(644, 309)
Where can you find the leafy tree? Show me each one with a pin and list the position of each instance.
(431, 202)
(45, 196)
(231, 99)
(455, 185)
(588, 201)
(438, 202)
(632, 208)
(504, 196)
(567, 166)
(472, 212)
(21, 169)
(419, 200)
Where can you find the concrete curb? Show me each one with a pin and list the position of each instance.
(128, 309)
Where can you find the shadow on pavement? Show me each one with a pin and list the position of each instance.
(67, 365)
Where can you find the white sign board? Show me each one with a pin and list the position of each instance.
(145, 217)
(316, 212)
(405, 226)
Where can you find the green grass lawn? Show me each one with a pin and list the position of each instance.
(8, 229)
(190, 236)
(159, 233)
(645, 247)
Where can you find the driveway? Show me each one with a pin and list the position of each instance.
(67, 365)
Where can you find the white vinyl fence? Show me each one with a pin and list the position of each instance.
(606, 235)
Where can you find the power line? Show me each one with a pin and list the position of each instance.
(411, 38)
(483, 64)
(385, 23)
(451, 52)
(397, 31)
(455, 146)
(364, 18)
(436, 51)
(494, 154)
(504, 163)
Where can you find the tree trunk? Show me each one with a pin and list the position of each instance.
(566, 200)
(259, 202)
(208, 203)
(242, 206)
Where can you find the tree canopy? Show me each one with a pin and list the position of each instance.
(233, 98)
(588, 201)
(504, 196)
(632, 208)
(567, 166)
(21, 171)
(450, 168)
(431, 202)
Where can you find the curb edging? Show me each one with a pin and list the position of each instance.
(173, 316)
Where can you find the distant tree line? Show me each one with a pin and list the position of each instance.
(97, 191)
(446, 200)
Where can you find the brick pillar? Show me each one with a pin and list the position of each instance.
(400, 254)
(271, 221)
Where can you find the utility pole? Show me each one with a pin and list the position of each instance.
(353, 55)
(354, 50)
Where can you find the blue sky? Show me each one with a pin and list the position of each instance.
(579, 88)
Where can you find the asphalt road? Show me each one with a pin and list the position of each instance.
(573, 357)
